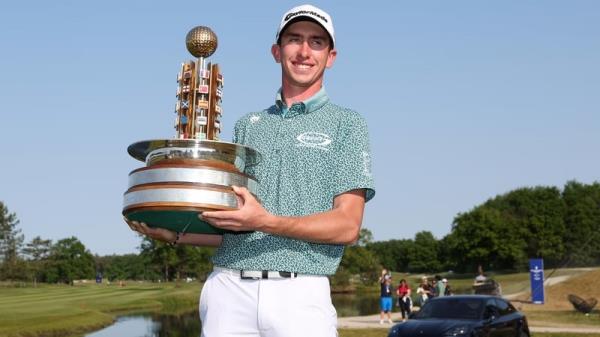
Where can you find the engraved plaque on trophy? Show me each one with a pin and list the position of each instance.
(193, 172)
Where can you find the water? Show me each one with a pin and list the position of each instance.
(188, 325)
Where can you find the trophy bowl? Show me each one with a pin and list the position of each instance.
(184, 177)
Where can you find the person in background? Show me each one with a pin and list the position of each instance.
(440, 287)
(448, 290)
(385, 298)
(404, 299)
(424, 291)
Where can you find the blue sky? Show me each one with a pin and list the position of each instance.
(464, 99)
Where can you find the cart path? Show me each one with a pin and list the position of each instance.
(372, 322)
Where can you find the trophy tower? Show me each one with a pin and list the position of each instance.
(194, 171)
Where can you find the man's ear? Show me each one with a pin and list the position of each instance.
(331, 58)
(276, 52)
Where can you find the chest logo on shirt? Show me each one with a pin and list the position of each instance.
(314, 139)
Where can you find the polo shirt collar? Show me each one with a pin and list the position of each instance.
(315, 102)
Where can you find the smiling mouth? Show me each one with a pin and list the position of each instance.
(302, 66)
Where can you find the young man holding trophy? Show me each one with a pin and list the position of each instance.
(270, 269)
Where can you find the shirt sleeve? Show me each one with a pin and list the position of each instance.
(352, 160)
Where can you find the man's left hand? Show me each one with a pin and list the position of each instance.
(250, 215)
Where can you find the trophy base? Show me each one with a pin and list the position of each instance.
(184, 221)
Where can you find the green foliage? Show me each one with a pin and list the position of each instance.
(124, 267)
(359, 260)
(365, 237)
(392, 254)
(69, 261)
(582, 220)
(11, 241)
(177, 262)
(424, 255)
(507, 230)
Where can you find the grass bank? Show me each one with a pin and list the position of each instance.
(557, 310)
(54, 310)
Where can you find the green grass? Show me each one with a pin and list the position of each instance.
(59, 310)
(570, 317)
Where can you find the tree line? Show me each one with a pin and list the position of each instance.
(560, 226)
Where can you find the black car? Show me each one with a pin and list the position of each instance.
(464, 315)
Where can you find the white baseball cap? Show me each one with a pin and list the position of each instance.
(311, 13)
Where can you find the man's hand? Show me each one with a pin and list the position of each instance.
(160, 234)
(249, 217)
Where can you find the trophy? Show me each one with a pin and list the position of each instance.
(193, 172)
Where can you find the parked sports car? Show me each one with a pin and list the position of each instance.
(464, 315)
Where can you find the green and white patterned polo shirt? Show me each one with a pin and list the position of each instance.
(311, 152)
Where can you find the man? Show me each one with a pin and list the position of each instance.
(385, 297)
(315, 177)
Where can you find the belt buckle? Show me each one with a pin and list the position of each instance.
(244, 277)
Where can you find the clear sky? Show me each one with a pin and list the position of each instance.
(464, 99)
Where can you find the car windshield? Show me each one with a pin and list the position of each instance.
(452, 308)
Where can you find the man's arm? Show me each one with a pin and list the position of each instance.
(161, 234)
(340, 225)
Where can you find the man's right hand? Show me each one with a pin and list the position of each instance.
(160, 234)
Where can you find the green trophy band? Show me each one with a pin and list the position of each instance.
(193, 172)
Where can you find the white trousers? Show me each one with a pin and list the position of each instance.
(285, 307)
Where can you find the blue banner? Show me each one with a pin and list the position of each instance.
(536, 274)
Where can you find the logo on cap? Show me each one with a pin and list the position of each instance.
(311, 13)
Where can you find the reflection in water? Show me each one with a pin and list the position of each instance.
(188, 325)
(355, 304)
(134, 326)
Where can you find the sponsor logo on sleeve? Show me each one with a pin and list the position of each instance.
(366, 158)
(254, 119)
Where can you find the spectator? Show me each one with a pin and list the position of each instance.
(440, 287)
(448, 291)
(385, 300)
(404, 301)
(424, 291)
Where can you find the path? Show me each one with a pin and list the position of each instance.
(372, 322)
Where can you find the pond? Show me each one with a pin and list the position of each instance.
(188, 325)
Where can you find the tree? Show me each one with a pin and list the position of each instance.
(392, 254)
(37, 252)
(37, 249)
(161, 255)
(582, 223)
(365, 237)
(359, 260)
(505, 231)
(424, 255)
(69, 260)
(11, 241)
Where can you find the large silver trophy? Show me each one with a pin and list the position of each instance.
(195, 171)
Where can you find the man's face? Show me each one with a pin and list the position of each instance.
(304, 53)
